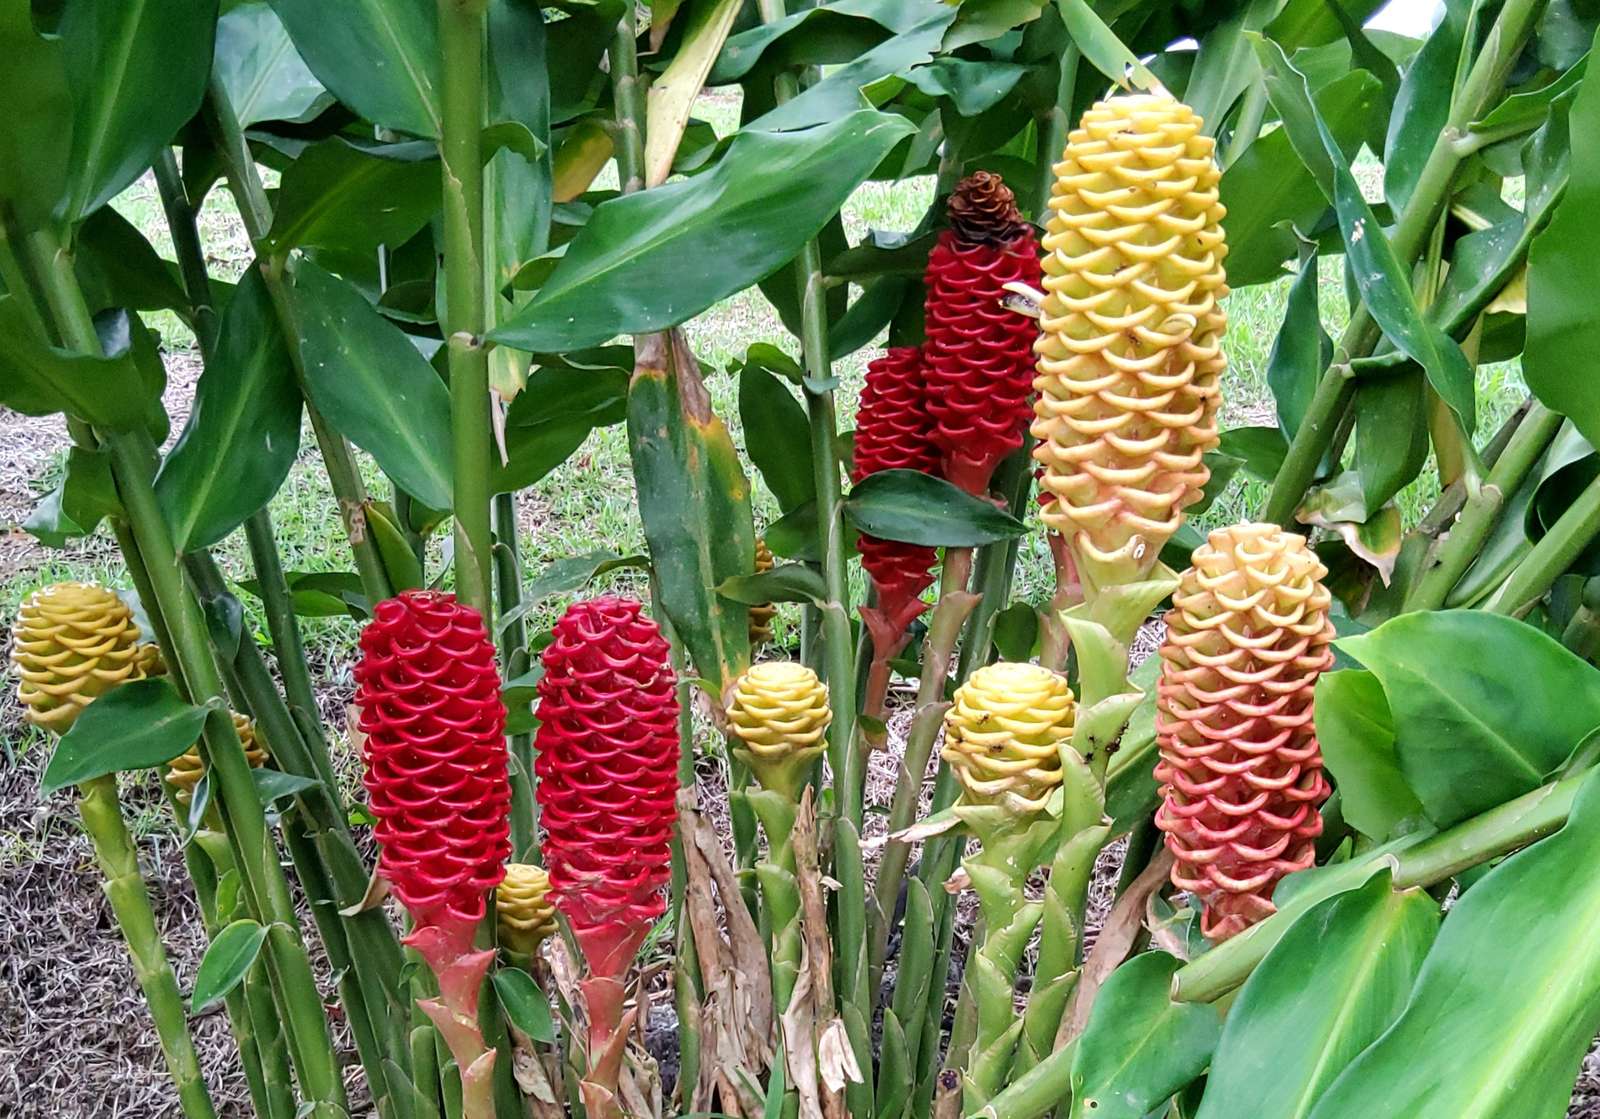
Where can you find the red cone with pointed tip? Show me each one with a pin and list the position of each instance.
(979, 353)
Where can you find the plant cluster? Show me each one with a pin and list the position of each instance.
(1374, 695)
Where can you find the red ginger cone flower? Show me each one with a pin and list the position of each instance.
(435, 751)
(979, 353)
(1240, 768)
(893, 432)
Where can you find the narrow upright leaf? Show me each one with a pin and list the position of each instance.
(776, 435)
(244, 431)
(673, 94)
(1337, 979)
(1422, 106)
(133, 726)
(38, 108)
(1356, 733)
(526, 1005)
(227, 961)
(1301, 351)
(364, 374)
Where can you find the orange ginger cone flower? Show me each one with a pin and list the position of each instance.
(1130, 344)
(71, 643)
(523, 908)
(779, 711)
(1241, 773)
(608, 785)
(1003, 735)
(762, 613)
(436, 776)
(185, 770)
(979, 352)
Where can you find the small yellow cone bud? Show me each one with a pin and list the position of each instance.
(71, 643)
(762, 613)
(523, 908)
(1130, 346)
(779, 710)
(185, 770)
(150, 661)
(1004, 731)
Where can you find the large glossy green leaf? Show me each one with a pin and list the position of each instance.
(341, 197)
(1139, 1046)
(380, 57)
(833, 32)
(1270, 193)
(1422, 106)
(39, 380)
(1391, 441)
(1563, 330)
(227, 960)
(921, 509)
(1356, 733)
(1508, 1000)
(694, 500)
(1338, 978)
(37, 125)
(374, 386)
(627, 271)
(565, 400)
(137, 70)
(117, 267)
(133, 726)
(519, 191)
(1380, 276)
(776, 432)
(264, 76)
(244, 430)
(1485, 707)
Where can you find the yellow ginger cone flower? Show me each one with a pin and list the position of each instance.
(762, 613)
(779, 710)
(150, 661)
(1004, 731)
(523, 908)
(72, 642)
(1130, 346)
(185, 770)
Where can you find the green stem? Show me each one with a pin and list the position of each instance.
(1482, 510)
(1054, 125)
(627, 92)
(255, 212)
(101, 810)
(1247, 126)
(1551, 556)
(461, 46)
(515, 661)
(1310, 443)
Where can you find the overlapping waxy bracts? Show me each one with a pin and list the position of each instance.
(1130, 345)
(762, 613)
(523, 908)
(185, 770)
(608, 774)
(894, 432)
(433, 725)
(779, 712)
(71, 643)
(1003, 734)
(1240, 768)
(979, 353)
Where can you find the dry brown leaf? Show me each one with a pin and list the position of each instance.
(836, 1058)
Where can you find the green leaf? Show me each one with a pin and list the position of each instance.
(273, 785)
(1102, 49)
(341, 197)
(38, 380)
(568, 397)
(117, 267)
(244, 430)
(918, 508)
(1301, 351)
(1508, 1000)
(1391, 433)
(1356, 733)
(38, 113)
(1224, 64)
(1563, 331)
(794, 535)
(1139, 1046)
(972, 86)
(833, 32)
(1016, 632)
(85, 496)
(573, 573)
(380, 57)
(770, 192)
(263, 75)
(133, 726)
(227, 961)
(694, 500)
(1422, 106)
(1526, 110)
(321, 594)
(525, 1004)
(1270, 193)
(1131, 790)
(374, 386)
(1262, 449)
(1336, 980)
(137, 70)
(1381, 277)
(776, 433)
(788, 582)
(1461, 684)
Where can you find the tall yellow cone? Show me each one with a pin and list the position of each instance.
(1130, 349)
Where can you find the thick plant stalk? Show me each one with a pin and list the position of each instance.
(1003, 738)
(1551, 556)
(132, 458)
(461, 44)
